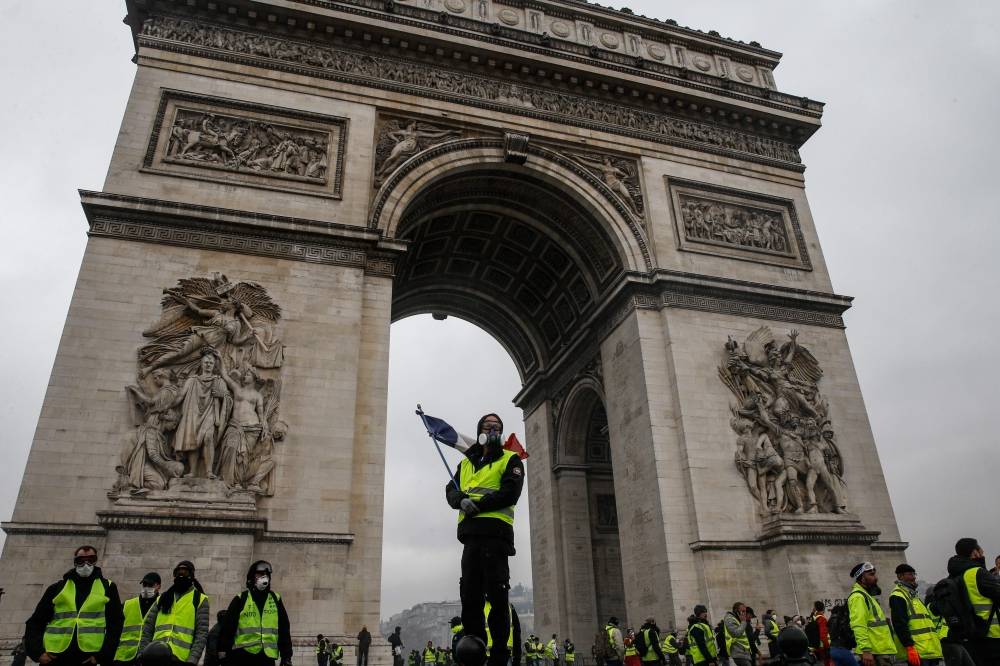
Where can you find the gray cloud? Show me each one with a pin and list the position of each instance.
(900, 180)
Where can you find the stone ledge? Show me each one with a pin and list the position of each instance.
(895, 546)
(58, 529)
(307, 537)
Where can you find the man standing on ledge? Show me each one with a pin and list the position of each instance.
(484, 490)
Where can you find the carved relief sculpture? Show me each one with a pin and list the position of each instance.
(242, 144)
(399, 140)
(206, 404)
(730, 224)
(620, 175)
(786, 447)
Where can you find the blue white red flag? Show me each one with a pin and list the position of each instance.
(444, 433)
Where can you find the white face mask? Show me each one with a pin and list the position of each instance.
(84, 570)
(147, 592)
(262, 583)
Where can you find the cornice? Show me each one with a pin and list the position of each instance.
(56, 529)
(172, 223)
(394, 74)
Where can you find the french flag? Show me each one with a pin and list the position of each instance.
(444, 433)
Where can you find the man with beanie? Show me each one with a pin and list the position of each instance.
(911, 621)
(616, 643)
(484, 490)
(652, 652)
(179, 617)
(135, 610)
(78, 620)
(872, 635)
(701, 645)
(256, 629)
(983, 588)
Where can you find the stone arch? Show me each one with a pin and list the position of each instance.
(399, 191)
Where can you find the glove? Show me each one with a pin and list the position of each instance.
(469, 507)
(912, 658)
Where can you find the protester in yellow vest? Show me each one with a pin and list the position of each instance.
(513, 638)
(336, 653)
(701, 646)
(913, 627)
(256, 629)
(484, 490)
(652, 651)
(179, 618)
(872, 635)
(430, 654)
(569, 652)
(670, 649)
(736, 630)
(78, 619)
(135, 611)
(969, 566)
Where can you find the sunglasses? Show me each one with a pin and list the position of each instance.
(85, 559)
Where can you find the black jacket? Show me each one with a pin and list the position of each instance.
(654, 637)
(900, 612)
(34, 628)
(699, 637)
(989, 585)
(511, 484)
(227, 635)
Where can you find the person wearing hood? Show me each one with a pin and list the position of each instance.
(135, 610)
(872, 635)
(912, 624)
(983, 588)
(652, 651)
(737, 632)
(256, 630)
(78, 620)
(179, 617)
(701, 645)
(484, 491)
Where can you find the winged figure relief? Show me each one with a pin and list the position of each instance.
(786, 443)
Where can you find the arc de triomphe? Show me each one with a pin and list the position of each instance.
(618, 200)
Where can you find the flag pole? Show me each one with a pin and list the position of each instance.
(420, 413)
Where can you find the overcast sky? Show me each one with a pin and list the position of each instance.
(901, 180)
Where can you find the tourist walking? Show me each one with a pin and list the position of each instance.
(179, 618)
(872, 635)
(983, 589)
(135, 610)
(78, 619)
(484, 490)
(256, 630)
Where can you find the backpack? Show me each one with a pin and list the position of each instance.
(812, 633)
(839, 626)
(952, 604)
(720, 640)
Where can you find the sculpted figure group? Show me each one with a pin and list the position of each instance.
(206, 404)
(733, 225)
(786, 447)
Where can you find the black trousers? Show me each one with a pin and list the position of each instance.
(984, 651)
(486, 577)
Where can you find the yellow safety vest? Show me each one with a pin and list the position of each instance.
(128, 644)
(610, 631)
(477, 483)
(256, 632)
(337, 654)
(871, 629)
(981, 605)
(771, 628)
(630, 650)
(670, 644)
(88, 622)
(570, 654)
(695, 651)
(510, 628)
(550, 649)
(176, 628)
(921, 624)
(650, 649)
(730, 639)
(430, 656)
